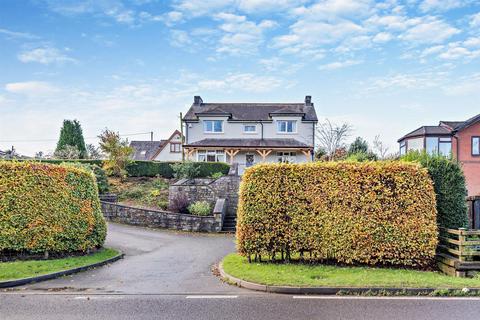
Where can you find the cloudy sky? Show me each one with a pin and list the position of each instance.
(386, 67)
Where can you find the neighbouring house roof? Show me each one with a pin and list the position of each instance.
(249, 143)
(444, 128)
(251, 111)
(427, 130)
(145, 150)
(452, 124)
(149, 150)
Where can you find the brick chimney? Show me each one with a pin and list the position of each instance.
(308, 100)
(197, 100)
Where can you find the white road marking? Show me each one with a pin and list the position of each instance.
(384, 298)
(211, 297)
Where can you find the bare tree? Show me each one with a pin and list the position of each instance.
(380, 148)
(331, 137)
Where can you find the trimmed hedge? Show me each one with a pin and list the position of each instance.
(156, 168)
(48, 208)
(375, 213)
(450, 188)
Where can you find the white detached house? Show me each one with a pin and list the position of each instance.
(248, 133)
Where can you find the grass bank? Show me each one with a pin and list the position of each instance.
(303, 275)
(32, 268)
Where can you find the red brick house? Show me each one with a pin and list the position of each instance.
(460, 138)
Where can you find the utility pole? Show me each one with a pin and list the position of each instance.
(151, 136)
(182, 138)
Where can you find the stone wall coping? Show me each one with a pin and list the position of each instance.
(219, 206)
(156, 210)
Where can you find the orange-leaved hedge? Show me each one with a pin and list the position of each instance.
(375, 213)
(48, 208)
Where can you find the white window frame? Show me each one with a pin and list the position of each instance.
(213, 126)
(294, 126)
(286, 157)
(205, 153)
(250, 125)
(174, 146)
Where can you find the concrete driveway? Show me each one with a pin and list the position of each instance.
(156, 262)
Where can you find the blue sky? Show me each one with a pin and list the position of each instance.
(386, 67)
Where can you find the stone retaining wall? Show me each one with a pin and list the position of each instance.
(163, 219)
(207, 189)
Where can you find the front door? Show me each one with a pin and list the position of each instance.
(249, 160)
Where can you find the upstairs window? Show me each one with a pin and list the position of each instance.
(286, 126)
(212, 126)
(476, 146)
(249, 128)
(175, 147)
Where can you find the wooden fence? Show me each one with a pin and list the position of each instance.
(458, 252)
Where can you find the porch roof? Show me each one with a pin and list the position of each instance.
(249, 143)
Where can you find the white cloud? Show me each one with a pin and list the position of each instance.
(339, 65)
(432, 50)
(31, 88)
(457, 51)
(430, 30)
(442, 5)
(409, 81)
(17, 35)
(472, 42)
(253, 6)
(382, 37)
(201, 7)
(44, 55)
(180, 38)
(475, 22)
(241, 36)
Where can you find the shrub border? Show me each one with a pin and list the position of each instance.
(328, 291)
(54, 275)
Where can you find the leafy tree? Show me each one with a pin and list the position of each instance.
(71, 134)
(118, 153)
(360, 145)
(449, 185)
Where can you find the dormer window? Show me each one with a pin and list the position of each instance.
(286, 126)
(213, 126)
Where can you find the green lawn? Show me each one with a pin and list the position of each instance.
(302, 275)
(32, 268)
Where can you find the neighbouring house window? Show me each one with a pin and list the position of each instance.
(286, 126)
(476, 146)
(213, 126)
(175, 147)
(439, 145)
(210, 156)
(286, 157)
(403, 148)
(415, 144)
(445, 146)
(249, 128)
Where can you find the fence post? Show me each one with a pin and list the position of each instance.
(461, 239)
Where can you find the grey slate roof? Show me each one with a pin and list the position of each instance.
(150, 148)
(249, 143)
(453, 124)
(251, 111)
(469, 122)
(427, 130)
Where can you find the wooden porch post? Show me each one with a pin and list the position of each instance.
(264, 154)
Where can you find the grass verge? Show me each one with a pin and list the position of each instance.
(32, 268)
(302, 275)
